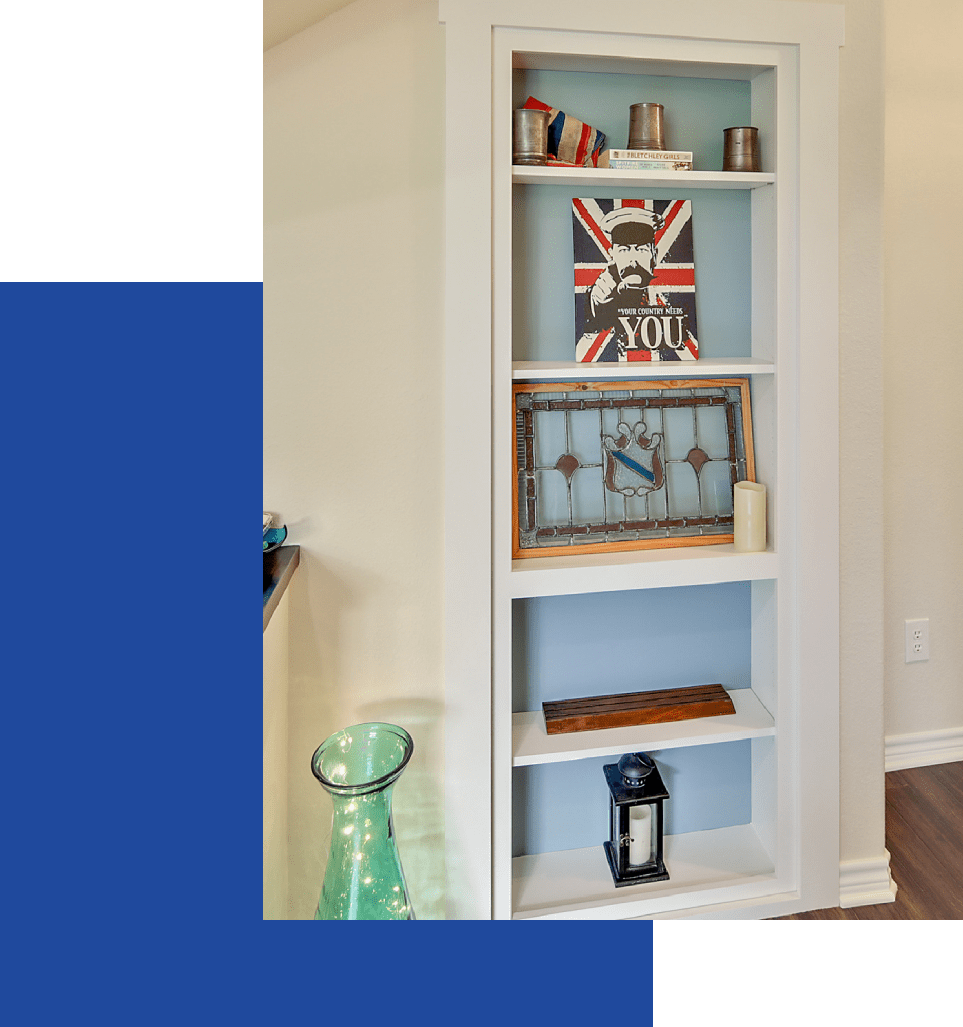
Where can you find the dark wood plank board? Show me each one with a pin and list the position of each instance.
(627, 709)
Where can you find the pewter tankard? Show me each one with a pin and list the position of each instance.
(740, 151)
(646, 127)
(529, 136)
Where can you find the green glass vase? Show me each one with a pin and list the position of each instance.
(358, 768)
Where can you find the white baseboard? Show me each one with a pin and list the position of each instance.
(924, 748)
(866, 882)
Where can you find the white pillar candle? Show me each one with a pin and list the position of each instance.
(640, 834)
(749, 516)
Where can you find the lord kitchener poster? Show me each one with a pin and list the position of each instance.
(634, 280)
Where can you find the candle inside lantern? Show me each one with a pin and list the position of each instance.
(749, 517)
(640, 834)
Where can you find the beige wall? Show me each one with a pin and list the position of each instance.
(353, 258)
(923, 345)
(861, 102)
(275, 763)
(353, 338)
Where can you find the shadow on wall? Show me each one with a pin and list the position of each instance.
(319, 706)
(418, 807)
(313, 701)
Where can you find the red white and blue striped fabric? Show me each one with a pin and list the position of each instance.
(570, 141)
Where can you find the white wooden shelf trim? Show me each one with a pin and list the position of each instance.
(646, 568)
(545, 175)
(531, 744)
(727, 864)
(531, 370)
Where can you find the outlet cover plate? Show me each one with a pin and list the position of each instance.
(917, 640)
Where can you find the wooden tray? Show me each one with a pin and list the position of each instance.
(629, 708)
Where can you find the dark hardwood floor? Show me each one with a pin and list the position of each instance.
(924, 835)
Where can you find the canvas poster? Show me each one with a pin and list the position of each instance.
(634, 280)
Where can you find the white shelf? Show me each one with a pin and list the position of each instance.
(723, 865)
(716, 367)
(645, 568)
(545, 175)
(532, 745)
(582, 62)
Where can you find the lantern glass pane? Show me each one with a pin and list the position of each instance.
(642, 824)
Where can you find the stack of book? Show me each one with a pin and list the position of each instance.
(646, 160)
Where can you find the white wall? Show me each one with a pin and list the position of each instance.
(352, 461)
(353, 374)
(923, 482)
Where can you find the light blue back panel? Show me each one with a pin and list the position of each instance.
(571, 646)
(568, 646)
(543, 287)
(565, 805)
(697, 110)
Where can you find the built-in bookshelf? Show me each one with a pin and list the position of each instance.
(753, 823)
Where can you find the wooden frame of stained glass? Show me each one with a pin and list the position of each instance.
(621, 465)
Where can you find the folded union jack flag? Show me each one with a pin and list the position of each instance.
(570, 141)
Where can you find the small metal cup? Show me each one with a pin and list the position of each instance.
(529, 136)
(646, 127)
(740, 150)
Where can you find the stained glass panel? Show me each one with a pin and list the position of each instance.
(628, 465)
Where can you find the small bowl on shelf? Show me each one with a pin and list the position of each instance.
(273, 538)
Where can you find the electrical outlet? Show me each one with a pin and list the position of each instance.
(917, 640)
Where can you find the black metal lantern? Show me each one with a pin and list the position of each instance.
(636, 794)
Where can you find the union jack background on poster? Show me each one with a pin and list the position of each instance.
(635, 295)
